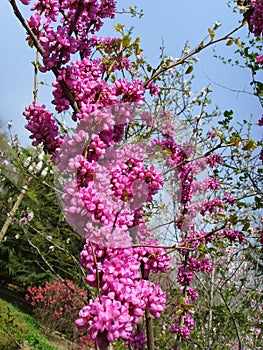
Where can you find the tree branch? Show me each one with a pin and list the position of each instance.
(14, 209)
(182, 60)
(40, 49)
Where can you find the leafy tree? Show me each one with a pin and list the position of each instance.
(37, 237)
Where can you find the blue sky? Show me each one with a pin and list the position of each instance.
(170, 21)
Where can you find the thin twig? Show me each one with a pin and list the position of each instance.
(182, 60)
(35, 92)
(234, 322)
(96, 267)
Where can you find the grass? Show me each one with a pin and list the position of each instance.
(18, 329)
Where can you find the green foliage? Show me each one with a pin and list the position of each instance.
(38, 244)
(17, 329)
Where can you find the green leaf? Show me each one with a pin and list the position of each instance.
(249, 146)
(246, 226)
(126, 41)
(220, 135)
(30, 43)
(235, 140)
(188, 307)
(179, 311)
(233, 219)
(229, 42)
(137, 41)
(259, 202)
(181, 300)
(211, 33)
(148, 68)
(201, 45)
(189, 69)
(238, 43)
(119, 27)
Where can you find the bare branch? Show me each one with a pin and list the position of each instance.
(182, 60)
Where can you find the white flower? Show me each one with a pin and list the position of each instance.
(30, 216)
(31, 167)
(44, 172)
(27, 161)
(217, 24)
(39, 165)
(41, 156)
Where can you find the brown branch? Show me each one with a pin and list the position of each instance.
(38, 46)
(24, 23)
(211, 304)
(148, 318)
(35, 92)
(185, 161)
(149, 330)
(77, 14)
(174, 247)
(41, 255)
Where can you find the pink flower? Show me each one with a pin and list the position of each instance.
(192, 293)
(259, 60)
(25, 2)
(214, 160)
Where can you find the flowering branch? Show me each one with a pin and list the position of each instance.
(40, 49)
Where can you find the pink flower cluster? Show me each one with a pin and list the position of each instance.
(193, 240)
(74, 17)
(137, 340)
(61, 295)
(181, 331)
(125, 295)
(189, 267)
(43, 127)
(184, 324)
(213, 160)
(83, 78)
(178, 157)
(92, 198)
(256, 20)
(232, 236)
(59, 302)
(105, 187)
(130, 175)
